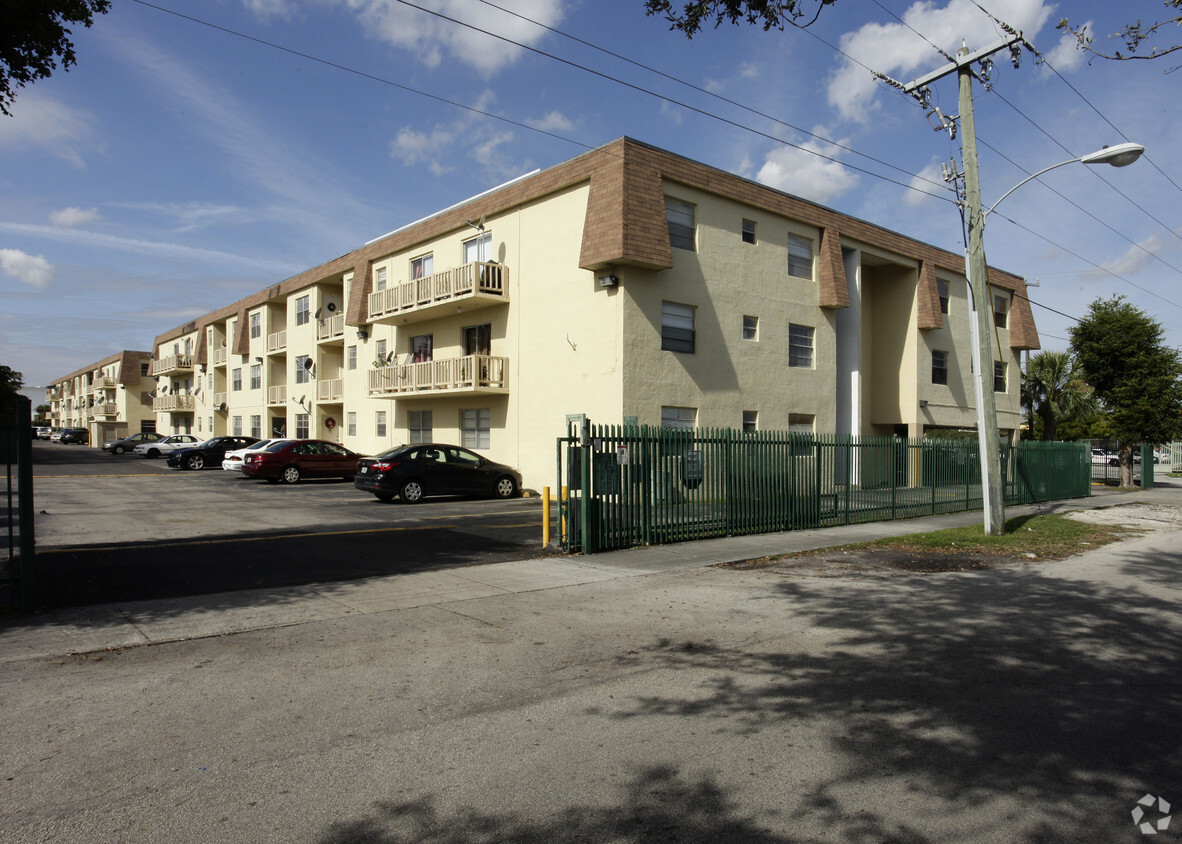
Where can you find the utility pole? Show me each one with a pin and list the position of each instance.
(988, 436)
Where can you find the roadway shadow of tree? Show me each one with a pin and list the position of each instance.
(657, 805)
(975, 689)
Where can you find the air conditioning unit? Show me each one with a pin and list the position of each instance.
(608, 280)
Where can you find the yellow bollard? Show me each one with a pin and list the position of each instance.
(545, 516)
(562, 526)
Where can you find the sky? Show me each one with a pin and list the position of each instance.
(201, 150)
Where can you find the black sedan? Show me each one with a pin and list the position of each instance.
(209, 454)
(414, 471)
(129, 443)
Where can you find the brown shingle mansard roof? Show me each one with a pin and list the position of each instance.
(129, 367)
(625, 226)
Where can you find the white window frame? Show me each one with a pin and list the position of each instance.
(351, 358)
(749, 232)
(673, 416)
(800, 257)
(303, 310)
(379, 423)
(236, 425)
(420, 426)
(303, 426)
(236, 379)
(256, 376)
(943, 357)
(750, 327)
(477, 249)
(422, 266)
(476, 428)
(797, 347)
(256, 325)
(256, 427)
(302, 375)
(681, 220)
(351, 423)
(678, 327)
(380, 279)
(942, 294)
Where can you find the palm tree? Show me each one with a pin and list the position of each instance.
(1053, 389)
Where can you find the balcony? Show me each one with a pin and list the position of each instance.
(106, 409)
(105, 382)
(277, 343)
(172, 365)
(475, 285)
(332, 328)
(277, 394)
(219, 399)
(219, 356)
(173, 404)
(330, 390)
(482, 374)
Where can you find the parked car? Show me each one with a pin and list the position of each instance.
(56, 435)
(290, 460)
(232, 460)
(81, 436)
(414, 471)
(129, 443)
(164, 446)
(209, 454)
(42, 432)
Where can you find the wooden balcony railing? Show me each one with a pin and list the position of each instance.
(172, 403)
(172, 364)
(276, 342)
(277, 394)
(330, 390)
(480, 282)
(332, 328)
(106, 409)
(219, 356)
(469, 374)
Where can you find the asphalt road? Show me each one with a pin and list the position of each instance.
(127, 528)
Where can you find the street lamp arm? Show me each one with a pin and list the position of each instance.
(985, 216)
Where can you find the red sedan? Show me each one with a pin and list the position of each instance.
(290, 460)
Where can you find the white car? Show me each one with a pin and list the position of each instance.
(232, 462)
(162, 447)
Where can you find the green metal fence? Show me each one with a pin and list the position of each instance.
(625, 486)
(18, 558)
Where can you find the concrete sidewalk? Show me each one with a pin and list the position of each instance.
(123, 625)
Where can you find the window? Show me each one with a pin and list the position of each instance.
(419, 424)
(422, 267)
(999, 377)
(750, 328)
(302, 375)
(748, 231)
(379, 423)
(801, 424)
(680, 217)
(379, 348)
(351, 423)
(677, 327)
(301, 431)
(477, 339)
(1000, 307)
(679, 417)
(232, 330)
(942, 290)
(475, 428)
(750, 420)
(351, 358)
(422, 347)
(478, 248)
(303, 313)
(236, 379)
(256, 376)
(236, 426)
(380, 280)
(199, 421)
(144, 369)
(800, 257)
(939, 367)
(256, 427)
(256, 326)
(800, 345)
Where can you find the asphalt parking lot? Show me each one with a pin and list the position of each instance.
(126, 528)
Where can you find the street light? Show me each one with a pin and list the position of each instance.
(1120, 155)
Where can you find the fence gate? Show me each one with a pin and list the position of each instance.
(18, 562)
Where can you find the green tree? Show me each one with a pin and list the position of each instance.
(1136, 36)
(1053, 389)
(34, 36)
(42, 413)
(768, 13)
(11, 381)
(1136, 376)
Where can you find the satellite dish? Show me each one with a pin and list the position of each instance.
(389, 357)
(164, 389)
(308, 364)
(317, 314)
(331, 307)
(197, 390)
(223, 407)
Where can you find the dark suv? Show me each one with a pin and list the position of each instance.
(76, 435)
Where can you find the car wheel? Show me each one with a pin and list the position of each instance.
(384, 497)
(195, 461)
(506, 487)
(118, 449)
(290, 474)
(153, 453)
(411, 492)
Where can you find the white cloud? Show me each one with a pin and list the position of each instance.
(32, 270)
(896, 50)
(439, 148)
(674, 113)
(431, 37)
(923, 189)
(37, 121)
(1138, 257)
(270, 8)
(555, 121)
(1067, 55)
(67, 218)
(798, 171)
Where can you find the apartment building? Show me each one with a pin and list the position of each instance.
(626, 282)
(111, 398)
